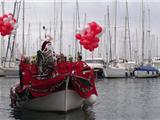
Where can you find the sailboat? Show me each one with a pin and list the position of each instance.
(9, 64)
(116, 68)
(145, 70)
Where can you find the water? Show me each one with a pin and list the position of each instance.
(119, 99)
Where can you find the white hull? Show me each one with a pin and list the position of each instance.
(11, 72)
(98, 64)
(1, 72)
(145, 74)
(58, 101)
(115, 72)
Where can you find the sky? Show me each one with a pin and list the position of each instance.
(42, 11)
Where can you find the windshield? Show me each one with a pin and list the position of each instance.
(94, 61)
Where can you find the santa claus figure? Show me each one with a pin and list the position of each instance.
(45, 59)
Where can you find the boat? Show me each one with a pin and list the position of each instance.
(145, 69)
(156, 62)
(71, 87)
(146, 72)
(117, 70)
(99, 66)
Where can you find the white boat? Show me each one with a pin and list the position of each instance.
(63, 92)
(156, 63)
(11, 71)
(116, 72)
(99, 66)
(146, 72)
(62, 100)
(120, 69)
(1, 71)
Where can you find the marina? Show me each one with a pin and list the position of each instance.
(79, 60)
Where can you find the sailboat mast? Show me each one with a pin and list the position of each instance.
(149, 33)
(55, 24)
(85, 20)
(77, 24)
(40, 36)
(115, 30)
(143, 31)
(130, 48)
(125, 37)
(2, 38)
(109, 35)
(23, 25)
(61, 27)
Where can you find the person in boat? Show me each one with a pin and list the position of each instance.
(45, 58)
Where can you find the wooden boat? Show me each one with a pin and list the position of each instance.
(70, 86)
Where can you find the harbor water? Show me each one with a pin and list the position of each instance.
(119, 99)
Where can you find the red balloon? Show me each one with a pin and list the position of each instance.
(89, 36)
(3, 34)
(91, 49)
(5, 16)
(78, 36)
(85, 42)
(93, 25)
(86, 47)
(98, 30)
(1, 23)
(81, 42)
(14, 20)
(4, 29)
(10, 14)
(1, 19)
(7, 25)
(94, 45)
(96, 40)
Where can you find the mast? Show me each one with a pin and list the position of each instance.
(40, 36)
(109, 35)
(77, 25)
(73, 42)
(125, 37)
(23, 25)
(29, 40)
(2, 38)
(149, 34)
(104, 38)
(143, 12)
(115, 30)
(130, 47)
(127, 30)
(61, 29)
(85, 20)
(55, 24)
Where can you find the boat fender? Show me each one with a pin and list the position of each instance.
(157, 72)
(126, 74)
(90, 100)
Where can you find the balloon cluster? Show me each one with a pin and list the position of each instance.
(88, 38)
(7, 24)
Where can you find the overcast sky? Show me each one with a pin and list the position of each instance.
(42, 11)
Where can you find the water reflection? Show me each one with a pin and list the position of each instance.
(78, 114)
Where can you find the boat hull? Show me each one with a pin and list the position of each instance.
(59, 101)
(11, 72)
(145, 74)
(113, 72)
